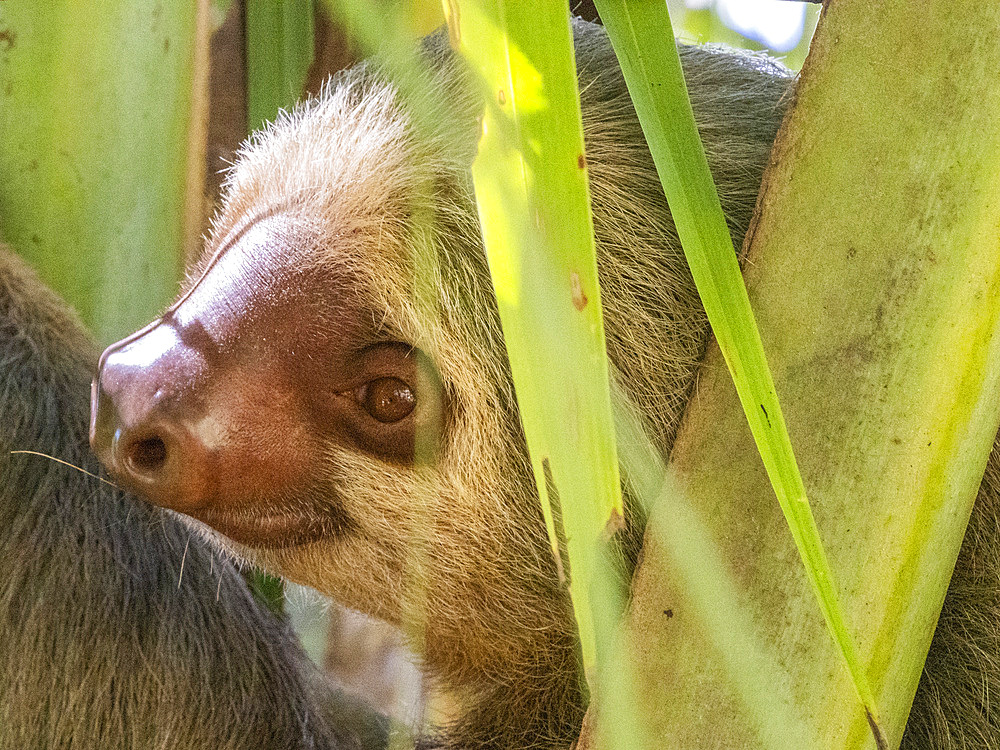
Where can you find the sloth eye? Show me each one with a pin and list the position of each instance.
(387, 399)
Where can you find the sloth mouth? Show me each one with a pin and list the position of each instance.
(270, 530)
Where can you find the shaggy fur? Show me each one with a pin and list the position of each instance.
(457, 544)
(117, 629)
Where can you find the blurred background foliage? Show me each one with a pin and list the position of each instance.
(783, 29)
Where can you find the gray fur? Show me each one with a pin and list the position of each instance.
(119, 629)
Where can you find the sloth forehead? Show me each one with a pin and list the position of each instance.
(346, 171)
(332, 164)
(353, 154)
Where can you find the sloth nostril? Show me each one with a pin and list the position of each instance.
(146, 456)
(163, 462)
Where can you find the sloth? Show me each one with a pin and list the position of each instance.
(119, 629)
(330, 395)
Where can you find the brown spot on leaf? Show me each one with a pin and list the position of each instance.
(615, 523)
(668, 613)
(581, 161)
(880, 742)
(559, 551)
(7, 39)
(579, 297)
(501, 97)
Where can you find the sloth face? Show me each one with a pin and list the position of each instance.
(329, 395)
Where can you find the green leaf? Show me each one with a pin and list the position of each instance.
(102, 128)
(531, 189)
(642, 36)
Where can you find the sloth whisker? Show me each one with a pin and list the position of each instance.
(67, 463)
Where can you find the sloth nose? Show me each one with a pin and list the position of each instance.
(157, 460)
(135, 432)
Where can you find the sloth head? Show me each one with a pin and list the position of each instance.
(330, 397)
(330, 392)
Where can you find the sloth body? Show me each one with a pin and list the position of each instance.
(118, 630)
(280, 399)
